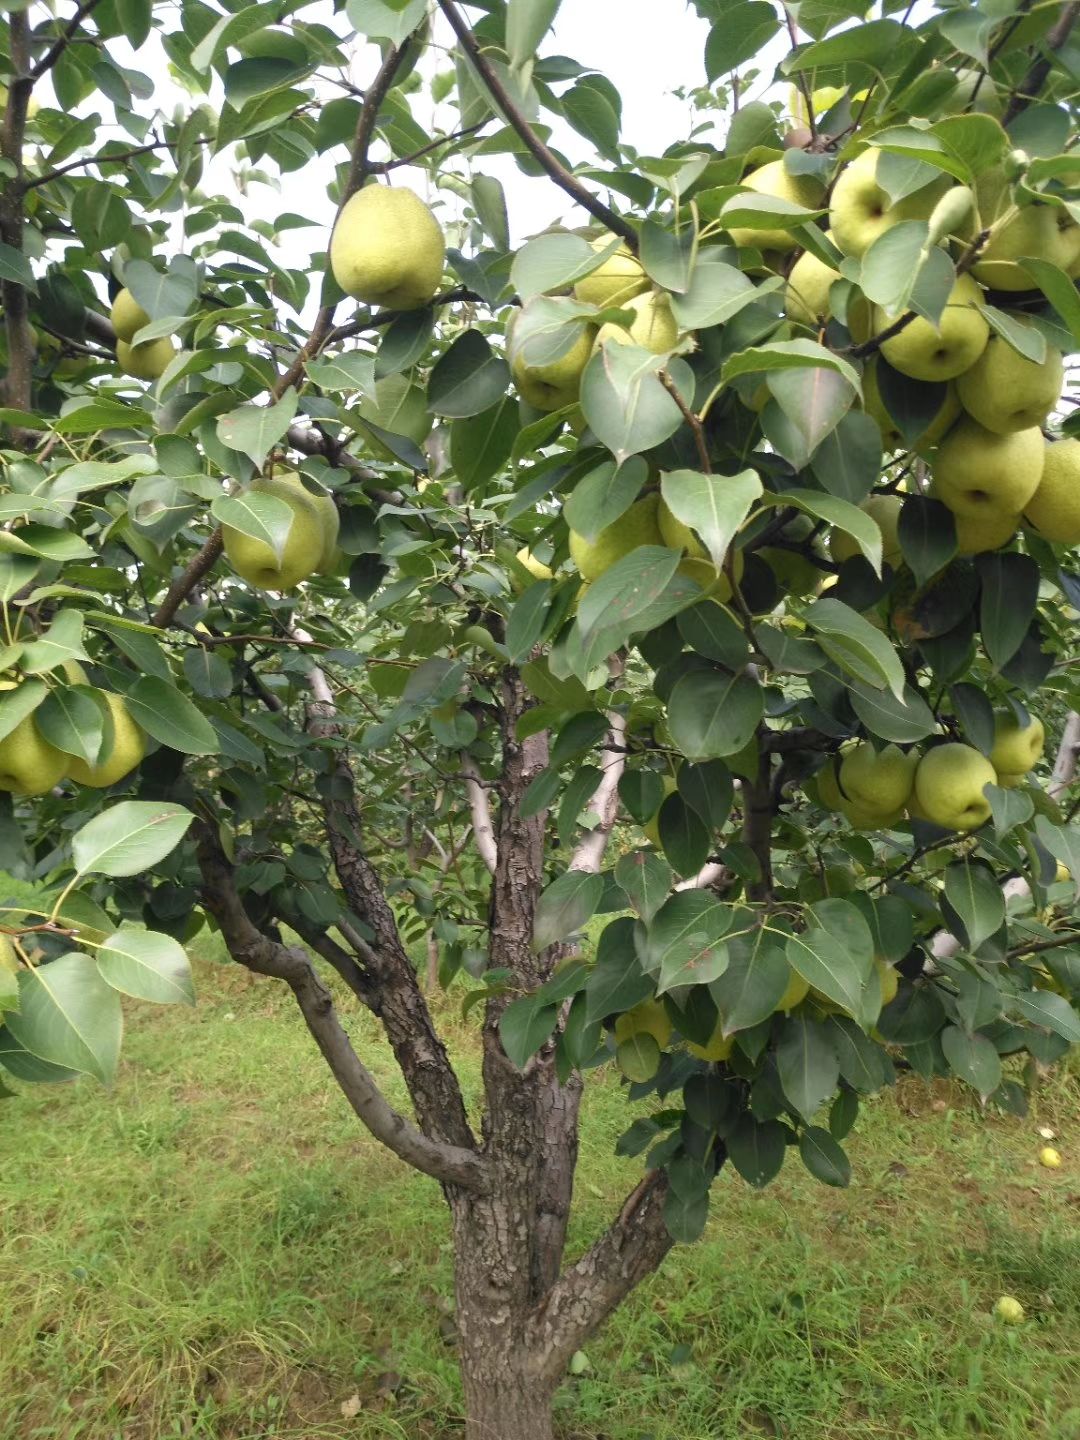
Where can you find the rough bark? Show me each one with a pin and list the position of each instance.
(258, 952)
(17, 382)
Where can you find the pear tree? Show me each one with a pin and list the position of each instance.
(667, 618)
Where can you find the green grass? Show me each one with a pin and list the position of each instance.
(213, 1250)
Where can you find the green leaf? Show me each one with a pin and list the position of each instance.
(714, 505)
(848, 460)
(404, 342)
(61, 642)
(711, 714)
(628, 588)
(667, 258)
(481, 445)
(839, 513)
(1009, 808)
(525, 1025)
(552, 262)
(835, 954)
(605, 493)
(69, 1016)
(741, 34)
(754, 982)
(1051, 1012)
(170, 293)
(927, 534)
(15, 267)
(645, 878)
(863, 1063)
(208, 673)
(147, 965)
(684, 940)
(973, 1058)
(757, 1149)
(902, 721)
(1024, 339)
(527, 22)
(717, 291)
(43, 540)
(254, 430)
(976, 897)
(594, 108)
(565, 906)
(526, 621)
(813, 400)
(708, 790)
(1058, 289)
(617, 982)
(128, 838)
(16, 704)
(806, 1063)
(355, 370)
(1010, 590)
(856, 646)
(392, 20)
(170, 717)
(712, 630)
(823, 1157)
(883, 45)
(468, 378)
(685, 1216)
(1063, 842)
(18, 1061)
(73, 720)
(683, 836)
(624, 402)
(263, 517)
(787, 355)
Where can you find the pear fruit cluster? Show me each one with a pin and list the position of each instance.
(619, 281)
(875, 788)
(310, 545)
(31, 765)
(150, 358)
(989, 462)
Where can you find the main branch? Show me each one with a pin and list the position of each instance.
(257, 952)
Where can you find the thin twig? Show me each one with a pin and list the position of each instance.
(1032, 83)
(535, 146)
(694, 421)
(52, 55)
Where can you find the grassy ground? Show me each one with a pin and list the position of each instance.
(213, 1251)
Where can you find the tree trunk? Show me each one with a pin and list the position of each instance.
(506, 1398)
(504, 1406)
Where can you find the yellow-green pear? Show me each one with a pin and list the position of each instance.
(891, 438)
(718, 1046)
(806, 296)
(795, 993)
(860, 210)
(927, 352)
(827, 787)
(986, 476)
(636, 526)
(1004, 391)
(534, 566)
(387, 248)
(653, 327)
(128, 749)
(869, 817)
(977, 534)
(884, 510)
(878, 780)
(775, 179)
(678, 536)
(554, 386)
(1044, 232)
(1017, 748)
(305, 545)
(148, 361)
(29, 765)
(949, 785)
(127, 316)
(648, 1018)
(617, 279)
(1054, 509)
